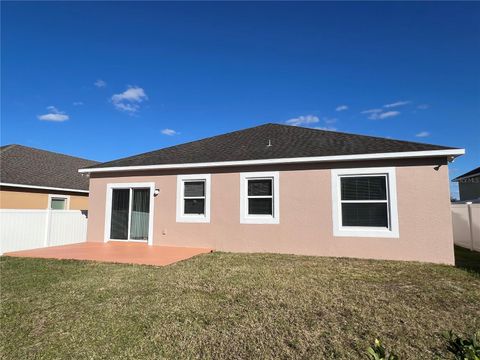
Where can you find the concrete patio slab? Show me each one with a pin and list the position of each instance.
(117, 252)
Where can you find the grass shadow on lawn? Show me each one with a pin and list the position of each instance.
(467, 259)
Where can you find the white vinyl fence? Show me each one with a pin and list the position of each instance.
(466, 225)
(32, 229)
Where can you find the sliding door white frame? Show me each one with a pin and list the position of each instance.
(108, 209)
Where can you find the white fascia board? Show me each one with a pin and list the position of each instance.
(359, 157)
(43, 188)
(466, 177)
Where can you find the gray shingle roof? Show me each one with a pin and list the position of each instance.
(471, 173)
(287, 142)
(28, 166)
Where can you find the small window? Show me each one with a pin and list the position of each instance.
(58, 202)
(193, 198)
(259, 200)
(364, 202)
(260, 197)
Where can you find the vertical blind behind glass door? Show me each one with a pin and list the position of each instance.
(140, 214)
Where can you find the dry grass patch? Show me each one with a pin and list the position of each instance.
(232, 306)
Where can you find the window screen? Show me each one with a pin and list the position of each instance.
(364, 201)
(194, 188)
(260, 187)
(260, 197)
(364, 188)
(194, 197)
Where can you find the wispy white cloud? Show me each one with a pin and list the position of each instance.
(341, 108)
(327, 128)
(384, 115)
(372, 111)
(423, 106)
(129, 101)
(396, 104)
(100, 83)
(77, 103)
(54, 115)
(133, 93)
(303, 120)
(379, 114)
(422, 134)
(130, 108)
(169, 132)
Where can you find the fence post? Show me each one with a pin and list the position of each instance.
(47, 228)
(470, 223)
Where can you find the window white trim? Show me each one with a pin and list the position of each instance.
(108, 209)
(356, 231)
(192, 218)
(307, 159)
(58, 196)
(246, 218)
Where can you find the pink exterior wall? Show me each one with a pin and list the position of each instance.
(305, 213)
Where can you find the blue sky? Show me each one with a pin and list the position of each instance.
(107, 80)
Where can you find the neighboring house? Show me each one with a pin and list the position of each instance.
(469, 185)
(285, 189)
(38, 179)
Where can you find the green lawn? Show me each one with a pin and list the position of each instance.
(232, 306)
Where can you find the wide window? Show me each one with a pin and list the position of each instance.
(259, 200)
(364, 202)
(193, 198)
(129, 212)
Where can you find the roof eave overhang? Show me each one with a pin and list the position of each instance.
(43, 188)
(450, 153)
(466, 177)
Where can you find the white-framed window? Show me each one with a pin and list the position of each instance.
(129, 212)
(364, 202)
(193, 198)
(58, 202)
(259, 198)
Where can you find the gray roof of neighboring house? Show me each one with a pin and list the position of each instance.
(472, 173)
(28, 166)
(286, 142)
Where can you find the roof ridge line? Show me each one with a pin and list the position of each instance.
(10, 146)
(185, 143)
(5, 148)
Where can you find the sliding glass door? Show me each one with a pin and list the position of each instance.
(120, 214)
(130, 214)
(140, 214)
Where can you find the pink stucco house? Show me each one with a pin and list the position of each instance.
(283, 189)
